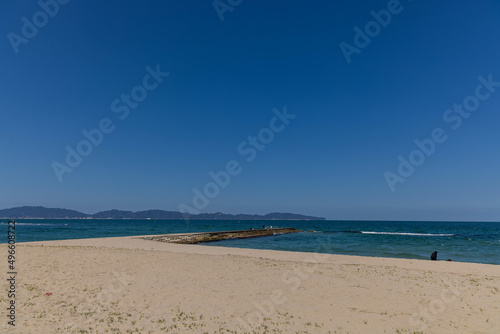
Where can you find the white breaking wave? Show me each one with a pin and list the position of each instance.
(415, 234)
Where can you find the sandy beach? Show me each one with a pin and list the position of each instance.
(132, 285)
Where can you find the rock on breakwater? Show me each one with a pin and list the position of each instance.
(195, 238)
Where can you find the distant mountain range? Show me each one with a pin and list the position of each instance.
(55, 213)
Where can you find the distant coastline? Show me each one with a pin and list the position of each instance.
(40, 212)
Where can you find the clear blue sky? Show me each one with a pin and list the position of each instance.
(225, 77)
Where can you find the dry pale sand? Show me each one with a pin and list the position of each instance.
(130, 285)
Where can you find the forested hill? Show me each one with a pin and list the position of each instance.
(54, 213)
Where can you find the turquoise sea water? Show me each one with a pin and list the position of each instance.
(461, 241)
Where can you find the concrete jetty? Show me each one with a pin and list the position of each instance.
(195, 238)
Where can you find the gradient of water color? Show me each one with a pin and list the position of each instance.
(461, 241)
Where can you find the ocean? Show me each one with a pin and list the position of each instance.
(477, 242)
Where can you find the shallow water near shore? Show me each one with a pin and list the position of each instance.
(460, 241)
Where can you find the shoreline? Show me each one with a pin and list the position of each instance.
(111, 243)
(128, 283)
(139, 242)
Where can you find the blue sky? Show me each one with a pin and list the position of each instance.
(353, 120)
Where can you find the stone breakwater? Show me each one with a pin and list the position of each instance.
(195, 238)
